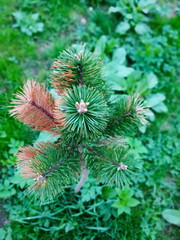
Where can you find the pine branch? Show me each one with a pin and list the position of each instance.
(77, 67)
(92, 150)
(25, 157)
(112, 141)
(62, 75)
(34, 107)
(85, 120)
(80, 71)
(84, 170)
(113, 165)
(26, 154)
(127, 115)
(50, 170)
(59, 162)
(84, 113)
(118, 119)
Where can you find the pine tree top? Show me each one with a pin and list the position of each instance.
(90, 129)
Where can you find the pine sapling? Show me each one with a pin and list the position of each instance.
(90, 128)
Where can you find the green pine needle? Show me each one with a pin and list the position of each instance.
(127, 115)
(56, 168)
(87, 121)
(88, 124)
(114, 165)
(83, 66)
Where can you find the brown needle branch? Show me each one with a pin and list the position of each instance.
(34, 106)
(84, 170)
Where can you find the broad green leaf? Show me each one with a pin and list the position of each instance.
(117, 84)
(114, 9)
(142, 28)
(46, 136)
(152, 80)
(18, 15)
(2, 233)
(6, 193)
(119, 55)
(125, 201)
(122, 27)
(39, 27)
(35, 16)
(127, 209)
(120, 70)
(3, 134)
(142, 86)
(135, 75)
(129, 16)
(124, 71)
(117, 204)
(100, 46)
(172, 216)
(155, 99)
(109, 69)
(132, 81)
(121, 207)
(146, 5)
(159, 108)
(151, 115)
(136, 145)
(124, 193)
(9, 234)
(108, 192)
(132, 202)
(120, 211)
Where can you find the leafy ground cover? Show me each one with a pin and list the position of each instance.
(139, 42)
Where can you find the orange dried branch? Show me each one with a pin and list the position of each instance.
(34, 107)
(58, 114)
(29, 172)
(62, 75)
(27, 156)
(28, 153)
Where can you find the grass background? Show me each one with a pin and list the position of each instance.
(26, 52)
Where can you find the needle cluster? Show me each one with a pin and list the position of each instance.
(91, 129)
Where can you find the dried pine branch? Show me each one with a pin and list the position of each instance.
(77, 67)
(27, 153)
(58, 113)
(62, 75)
(25, 157)
(34, 106)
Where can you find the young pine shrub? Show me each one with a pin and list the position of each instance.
(90, 128)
